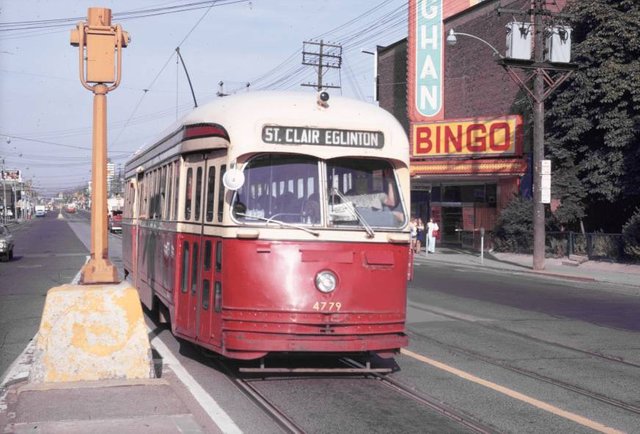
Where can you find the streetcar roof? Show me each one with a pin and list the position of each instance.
(244, 117)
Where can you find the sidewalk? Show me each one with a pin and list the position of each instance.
(162, 405)
(564, 268)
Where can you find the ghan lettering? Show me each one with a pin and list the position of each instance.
(494, 137)
(429, 56)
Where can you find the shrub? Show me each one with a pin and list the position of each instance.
(514, 228)
(631, 235)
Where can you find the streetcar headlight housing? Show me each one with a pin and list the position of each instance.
(326, 281)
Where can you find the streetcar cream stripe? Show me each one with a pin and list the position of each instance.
(513, 394)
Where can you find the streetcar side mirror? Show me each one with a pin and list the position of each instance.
(233, 179)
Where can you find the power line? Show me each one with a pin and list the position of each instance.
(119, 16)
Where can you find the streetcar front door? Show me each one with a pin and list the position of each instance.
(190, 290)
(187, 300)
(210, 308)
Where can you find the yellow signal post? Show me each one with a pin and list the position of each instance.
(95, 330)
(100, 54)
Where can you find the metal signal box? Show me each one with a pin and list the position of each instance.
(101, 65)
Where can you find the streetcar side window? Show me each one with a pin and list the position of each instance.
(218, 256)
(184, 282)
(188, 194)
(163, 191)
(142, 199)
(167, 210)
(206, 292)
(194, 269)
(131, 195)
(176, 179)
(217, 296)
(223, 169)
(156, 202)
(211, 190)
(198, 192)
(151, 192)
(207, 255)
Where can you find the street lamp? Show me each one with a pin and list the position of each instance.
(375, 71)
(452, 40)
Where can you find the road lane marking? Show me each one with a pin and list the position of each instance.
(516, 395)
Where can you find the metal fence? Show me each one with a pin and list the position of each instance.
(595, 245)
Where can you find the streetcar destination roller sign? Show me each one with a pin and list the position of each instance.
(322, 136)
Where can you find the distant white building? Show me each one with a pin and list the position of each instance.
(111, 174)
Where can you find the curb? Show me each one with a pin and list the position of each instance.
(515, 270)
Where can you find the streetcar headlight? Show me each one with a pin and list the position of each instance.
(326, 281)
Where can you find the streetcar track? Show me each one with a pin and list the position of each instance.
(525, 336)
(440, 407)
(555, 382)
(254, 395)
(290, 426)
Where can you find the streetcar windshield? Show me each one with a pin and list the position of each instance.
(279, 188)
(286, 188)
(363, 192)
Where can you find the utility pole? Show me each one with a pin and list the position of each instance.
(547, 73)
(99, 42)
(325, 56)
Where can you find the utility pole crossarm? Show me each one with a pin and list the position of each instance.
(319, 60)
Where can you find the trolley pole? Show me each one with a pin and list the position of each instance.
(100, 71)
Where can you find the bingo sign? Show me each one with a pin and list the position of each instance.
(426, 60)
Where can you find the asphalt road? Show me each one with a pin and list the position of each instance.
(517, 353)
(46, 255)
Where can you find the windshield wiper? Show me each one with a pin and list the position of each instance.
(356, 213)
(281, 223)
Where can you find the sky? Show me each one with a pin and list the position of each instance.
(46, 114)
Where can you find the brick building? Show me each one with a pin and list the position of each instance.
(472, 154)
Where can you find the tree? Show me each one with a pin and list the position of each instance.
(593, 122)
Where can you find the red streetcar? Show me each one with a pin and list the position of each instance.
(274, 222)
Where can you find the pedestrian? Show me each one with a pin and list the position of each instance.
(413, 229)
(420, 227)
(432, 231)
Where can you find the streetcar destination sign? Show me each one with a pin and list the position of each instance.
(322, 136)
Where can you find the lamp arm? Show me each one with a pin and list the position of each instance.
(495, 51)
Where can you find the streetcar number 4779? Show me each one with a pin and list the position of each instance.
(331, 306)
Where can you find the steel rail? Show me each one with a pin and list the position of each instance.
(444, 409)
(277, 415)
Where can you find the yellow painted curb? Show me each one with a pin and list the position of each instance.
(92, 332)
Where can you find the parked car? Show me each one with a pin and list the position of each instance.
(115, 221)
(6, 244)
